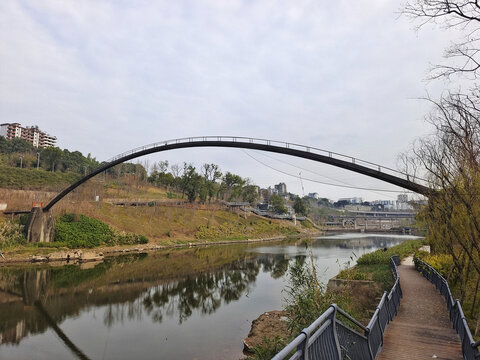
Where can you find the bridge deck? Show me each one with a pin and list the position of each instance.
(422, 329)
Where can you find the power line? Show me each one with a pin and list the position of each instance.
(315, 173)
(321, 182)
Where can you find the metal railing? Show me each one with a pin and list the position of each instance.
(260, 141)
(329, 338)
(459, 322)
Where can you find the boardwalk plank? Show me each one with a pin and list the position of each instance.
(422, 328)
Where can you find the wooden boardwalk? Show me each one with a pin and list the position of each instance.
(422, 328)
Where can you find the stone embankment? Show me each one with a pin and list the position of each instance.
(74, 256)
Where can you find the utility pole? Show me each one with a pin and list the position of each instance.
(38, 160)
(21, 162)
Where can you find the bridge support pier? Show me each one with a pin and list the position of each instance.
(40, 226)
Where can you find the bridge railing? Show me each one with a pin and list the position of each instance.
(459, 322)
(282, 144)
(330, 338)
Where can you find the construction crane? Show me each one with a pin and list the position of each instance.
(301, 182)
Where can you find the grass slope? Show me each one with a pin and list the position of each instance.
(16, 178)
(168, 224)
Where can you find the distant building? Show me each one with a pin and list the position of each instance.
(32, 134)
(383, 204)
(357, 207)
(353, 200)
(313, 196)
(402, 202)
(281, 189)
(262, 206)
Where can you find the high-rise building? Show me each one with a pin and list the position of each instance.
(32, 134)
(281, 189)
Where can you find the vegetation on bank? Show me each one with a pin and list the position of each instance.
(307, 298)
(11, 234)
(170, 224)
(375, 266)
(162, 225)
(80, 231)
(241, 230)
(71, 231)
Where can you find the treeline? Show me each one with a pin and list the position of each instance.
(21, 153)
(207, 184)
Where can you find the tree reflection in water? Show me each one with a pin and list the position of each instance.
(204, 292)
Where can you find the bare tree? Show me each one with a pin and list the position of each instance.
(463, 56)
(451, 159)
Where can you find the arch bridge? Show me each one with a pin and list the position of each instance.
(350, 163)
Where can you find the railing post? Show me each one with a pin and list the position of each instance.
(333, 318)
(304, 345)
(367, 335)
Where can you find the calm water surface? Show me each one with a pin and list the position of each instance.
(180, 304)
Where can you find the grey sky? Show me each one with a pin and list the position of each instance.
(107, 76)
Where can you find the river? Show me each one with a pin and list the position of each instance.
(195, 303)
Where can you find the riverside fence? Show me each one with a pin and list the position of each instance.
(459, 322)
(330, 338)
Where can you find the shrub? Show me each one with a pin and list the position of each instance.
(268, 348)
(77, 231)
(11, 234)
(443, 263)
(307, 298)
(129, 239)
(82, 231)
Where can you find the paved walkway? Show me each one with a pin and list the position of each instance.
(422, 328)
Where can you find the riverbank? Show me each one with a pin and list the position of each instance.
(147, 297)
(356, 289)
(28, 255)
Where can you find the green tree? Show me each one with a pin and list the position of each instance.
(211, 174)
(191, 182)
(50, 157)
(300, 206)
(233, 185)
(250, 194)
(15, 145)
(277, 203)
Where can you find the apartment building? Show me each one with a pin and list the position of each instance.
(281, 189)
(32, 134)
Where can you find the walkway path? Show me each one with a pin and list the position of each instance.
(422, 328)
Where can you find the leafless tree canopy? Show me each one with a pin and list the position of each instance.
(451, 158)
(463, 56)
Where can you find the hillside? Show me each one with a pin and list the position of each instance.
(17, 178)
(162, 216)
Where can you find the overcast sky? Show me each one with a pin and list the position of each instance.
(108, 76)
